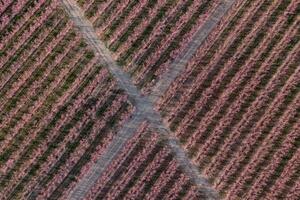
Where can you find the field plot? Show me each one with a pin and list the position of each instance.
(236, 106)
(147, 35)
(59, 108)
(147, 170)
(73, 127)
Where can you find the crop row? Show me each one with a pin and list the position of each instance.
(184, 82)
(5, 5)
(59, 107)
(147, 171)
(147, 35)
(29, 12)
(238, 92)
(14, 42)
(206, 77)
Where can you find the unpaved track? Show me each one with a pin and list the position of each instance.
(143, 106)
(178, 65)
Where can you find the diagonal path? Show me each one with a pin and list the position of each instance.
(178, 65)
(143, 104)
